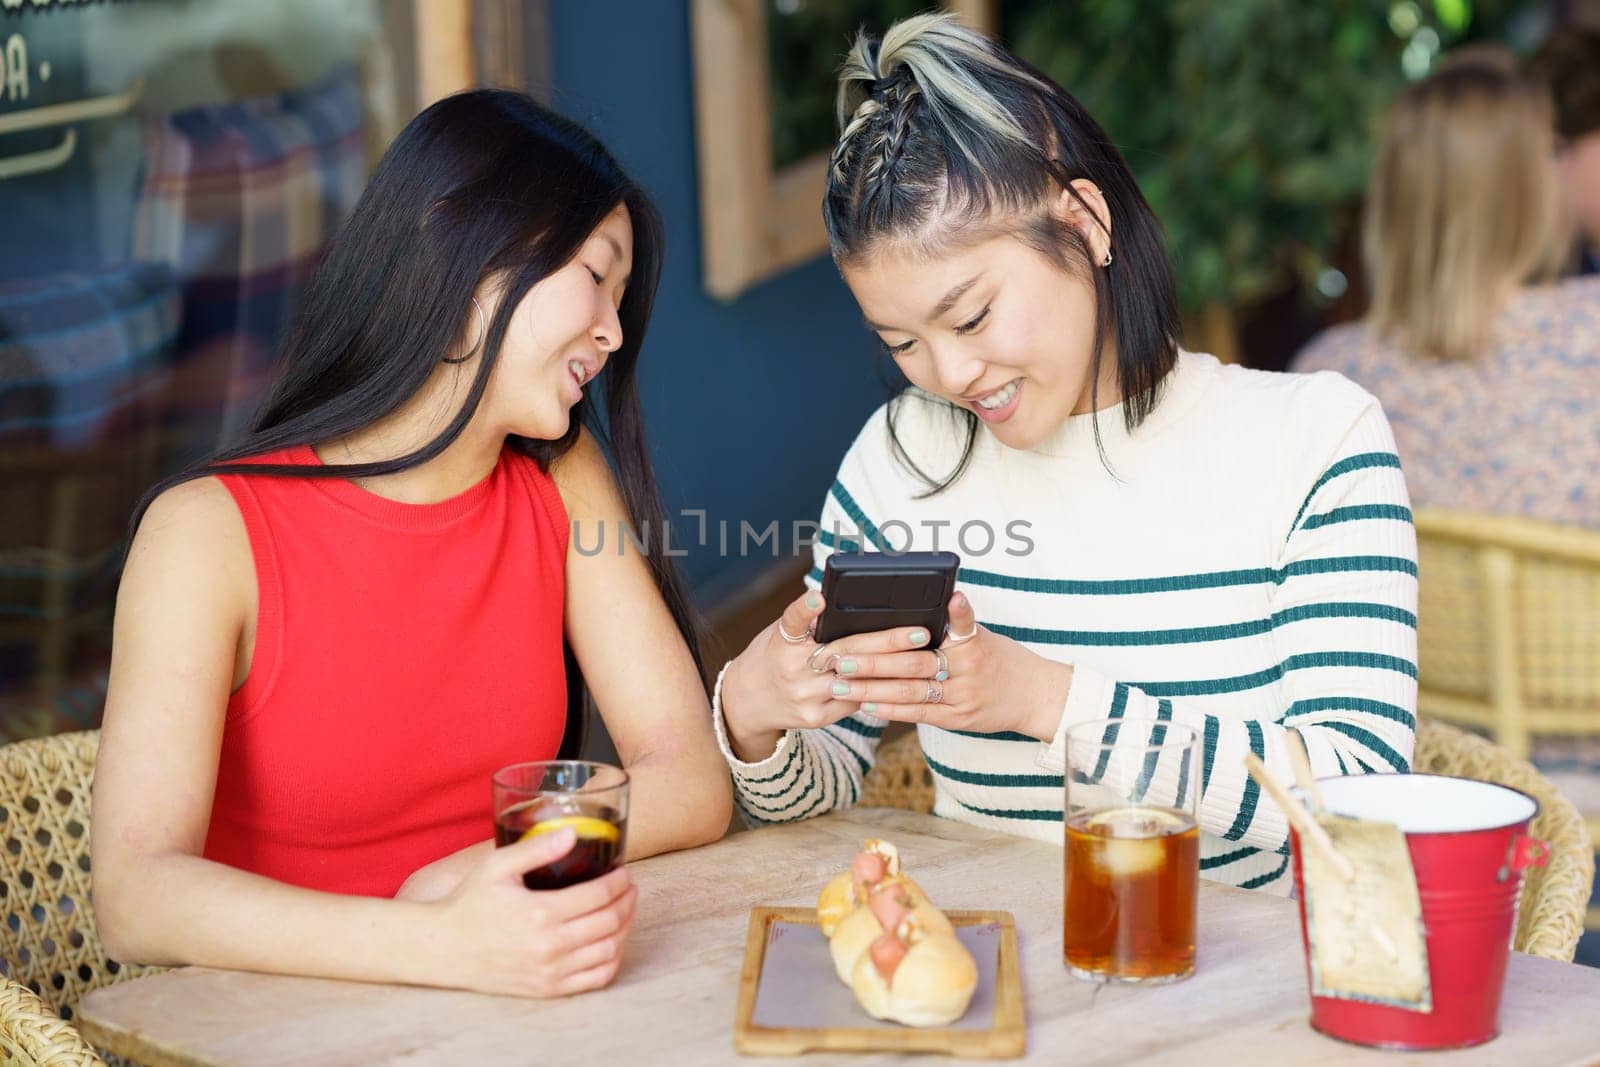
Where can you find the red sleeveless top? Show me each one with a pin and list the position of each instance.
(403, 654)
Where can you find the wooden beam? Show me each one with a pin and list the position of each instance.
(445, 59)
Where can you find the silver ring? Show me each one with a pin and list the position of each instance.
(935, 692)
(803, 639)
(832, 663)
(943, 673)
(958, 639)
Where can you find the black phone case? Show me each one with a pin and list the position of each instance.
(905, 571)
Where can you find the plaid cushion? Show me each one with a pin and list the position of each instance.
(240, 200)
(82, 354)
(85, 361)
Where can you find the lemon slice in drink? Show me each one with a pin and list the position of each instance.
(1133, 846)
(587, 827)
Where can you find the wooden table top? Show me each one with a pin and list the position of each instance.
(674, 998)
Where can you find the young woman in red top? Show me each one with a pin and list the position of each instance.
(329, 636)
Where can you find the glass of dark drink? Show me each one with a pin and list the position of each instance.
(1132, 851)
(590, 799)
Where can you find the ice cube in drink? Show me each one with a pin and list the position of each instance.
(1132, 875)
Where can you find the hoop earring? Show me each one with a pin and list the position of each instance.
(483, 335)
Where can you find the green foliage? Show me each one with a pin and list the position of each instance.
(1249, 123)
(806, 42)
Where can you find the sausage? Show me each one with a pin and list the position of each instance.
(868, 868)
(887, 952)
(890, 905)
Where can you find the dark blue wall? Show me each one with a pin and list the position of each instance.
(752, 404)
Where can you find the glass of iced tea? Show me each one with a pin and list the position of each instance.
(590, 799)
(1132, 851)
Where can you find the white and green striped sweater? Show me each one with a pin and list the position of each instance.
(1246, 566)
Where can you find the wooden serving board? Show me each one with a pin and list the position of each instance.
(788, 1025)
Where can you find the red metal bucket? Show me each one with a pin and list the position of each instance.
(1469, 846)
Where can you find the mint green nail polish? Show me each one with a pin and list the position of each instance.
(918, 637)
(840, 689)
(869, 707)
(848, 666)
(813, 601)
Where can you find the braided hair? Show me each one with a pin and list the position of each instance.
(946, 138)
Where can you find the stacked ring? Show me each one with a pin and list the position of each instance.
(943, 673)
(935, 692)
(791, 638)
(831, 664)
(958, 639)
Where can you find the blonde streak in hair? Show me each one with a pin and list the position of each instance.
(1408, 228)
(1410, 240)
(1497, 171)
(1549, 237)
(1451, 295)
(1376, 228)
(1456, 279)
(1433, 274)
(875, 152)
(1504, 163)
(1559, 225)
(1508, 253)
(942, 56)
(863, 115)
(1393, 238)
(857, 74)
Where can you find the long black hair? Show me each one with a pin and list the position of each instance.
(939, 128)
(482, 183)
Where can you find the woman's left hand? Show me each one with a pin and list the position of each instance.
(995, 685)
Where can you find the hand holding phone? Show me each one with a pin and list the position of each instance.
(780, 683)
(865, 592)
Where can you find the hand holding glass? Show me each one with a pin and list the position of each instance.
(591, 799)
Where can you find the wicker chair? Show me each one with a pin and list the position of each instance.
(1508, 625)
(899, 777)
(1553, 896)
(52, 952)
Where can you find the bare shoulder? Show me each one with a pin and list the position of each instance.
(188, 502)
(584, 478)
(197, 515)
(192, 538)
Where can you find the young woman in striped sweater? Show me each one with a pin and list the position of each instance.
(1145, 532)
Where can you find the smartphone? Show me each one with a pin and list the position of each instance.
(869, 591)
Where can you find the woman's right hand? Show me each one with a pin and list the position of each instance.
(772, 687)
(501, 937)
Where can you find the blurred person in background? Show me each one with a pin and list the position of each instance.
(1489, 371)
(1569, 64)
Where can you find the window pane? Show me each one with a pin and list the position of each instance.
(170, 172)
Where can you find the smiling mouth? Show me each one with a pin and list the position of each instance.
(999, 406)
(579, 375)
(1000, 397)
